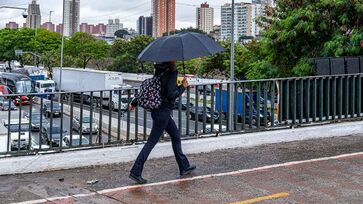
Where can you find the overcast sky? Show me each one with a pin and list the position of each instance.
(98, 11)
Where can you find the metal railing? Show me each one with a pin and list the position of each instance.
(55, 122)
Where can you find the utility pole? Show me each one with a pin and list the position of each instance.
(231, 99)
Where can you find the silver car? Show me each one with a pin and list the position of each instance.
(86, 125)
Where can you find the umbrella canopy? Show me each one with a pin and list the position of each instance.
(180, 47)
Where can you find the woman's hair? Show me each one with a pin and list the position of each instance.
(165, 66)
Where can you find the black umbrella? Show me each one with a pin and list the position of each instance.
(180, 47)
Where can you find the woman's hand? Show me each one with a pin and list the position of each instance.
(185, 82)
(131, 107)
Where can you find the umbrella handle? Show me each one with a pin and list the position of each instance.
(183, 68)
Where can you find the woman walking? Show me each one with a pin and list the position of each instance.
(163, 121)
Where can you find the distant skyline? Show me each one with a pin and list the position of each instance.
(95, 11)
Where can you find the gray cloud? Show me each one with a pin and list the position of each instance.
(98, 11)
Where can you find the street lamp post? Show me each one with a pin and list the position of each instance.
(25, 10)
(62, 51)
(231, 74)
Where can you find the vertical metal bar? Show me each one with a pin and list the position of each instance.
(180, 115)
(340, 97)
(8, 147)
(145, 125)
(294, 102)
(51, 120)
(91, 119)
(20, 115)
(307, 101)
(281, 101)
(100, 139)
(205, 108)
(346, 97)
(30, 126)
(228, 106)
(119, 93)
(314, 99)
(196, 110)
(272, 118)
(265, 122)
(61, 125)
(243, 101)
(128, 118)
(235, 107)
(334, 98)
(81, 121)
(287, 100)
(321, 99)
(212, 95)
(136, 120)
(301, 101)
(353, 101)
(110, 110)
(258, 105)
(250, 104)
(41, 121)
(188, 112)
(220, 107)
(359, 95)
(327, 101)
(71, 118)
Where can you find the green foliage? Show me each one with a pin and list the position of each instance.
(126, 53)
(121, 33)
(83, 47)
(189, 29)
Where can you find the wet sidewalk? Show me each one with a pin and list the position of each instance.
(218, 179)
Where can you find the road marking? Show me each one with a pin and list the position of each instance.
(263, 198)
(197, 177)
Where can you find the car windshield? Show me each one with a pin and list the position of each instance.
(47, 85)
(15, 127)
(24, 87)
(87, 120)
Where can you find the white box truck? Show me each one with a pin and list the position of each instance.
(87, 80)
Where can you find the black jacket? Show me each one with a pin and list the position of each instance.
(169, 89)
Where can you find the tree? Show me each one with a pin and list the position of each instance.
(83, 47)
(121, 33)
(189, 29)
(301, 30)
(126, 53)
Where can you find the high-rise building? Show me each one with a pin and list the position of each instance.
(84, 27)
(163, 16)
(12, 25)
(34, 18)
(245, 18)
(145, 26)
(59, 28)
(71, 16)
(112, 27)
(100, 29)
(205, 18)
(49, 26)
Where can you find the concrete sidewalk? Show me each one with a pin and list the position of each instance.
(25, 187)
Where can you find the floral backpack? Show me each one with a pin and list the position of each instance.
(149, 97)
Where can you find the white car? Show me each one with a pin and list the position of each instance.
(75, 141)
(17, 133)
(215, 128)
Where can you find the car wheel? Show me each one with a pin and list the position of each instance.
(192, 117)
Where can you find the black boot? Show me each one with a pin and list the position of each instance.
(188, 170)
(137, 179)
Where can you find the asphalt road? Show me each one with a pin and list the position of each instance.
(333, 181)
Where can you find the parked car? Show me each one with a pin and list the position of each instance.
(75, 141)
(86, 125)
(35, 121)
(52, 137)
(254, 116)
(56, 109)
(19, 130)
(6, 105)
(184, 104)
(208, 111)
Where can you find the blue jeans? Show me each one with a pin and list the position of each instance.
(162, 121)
